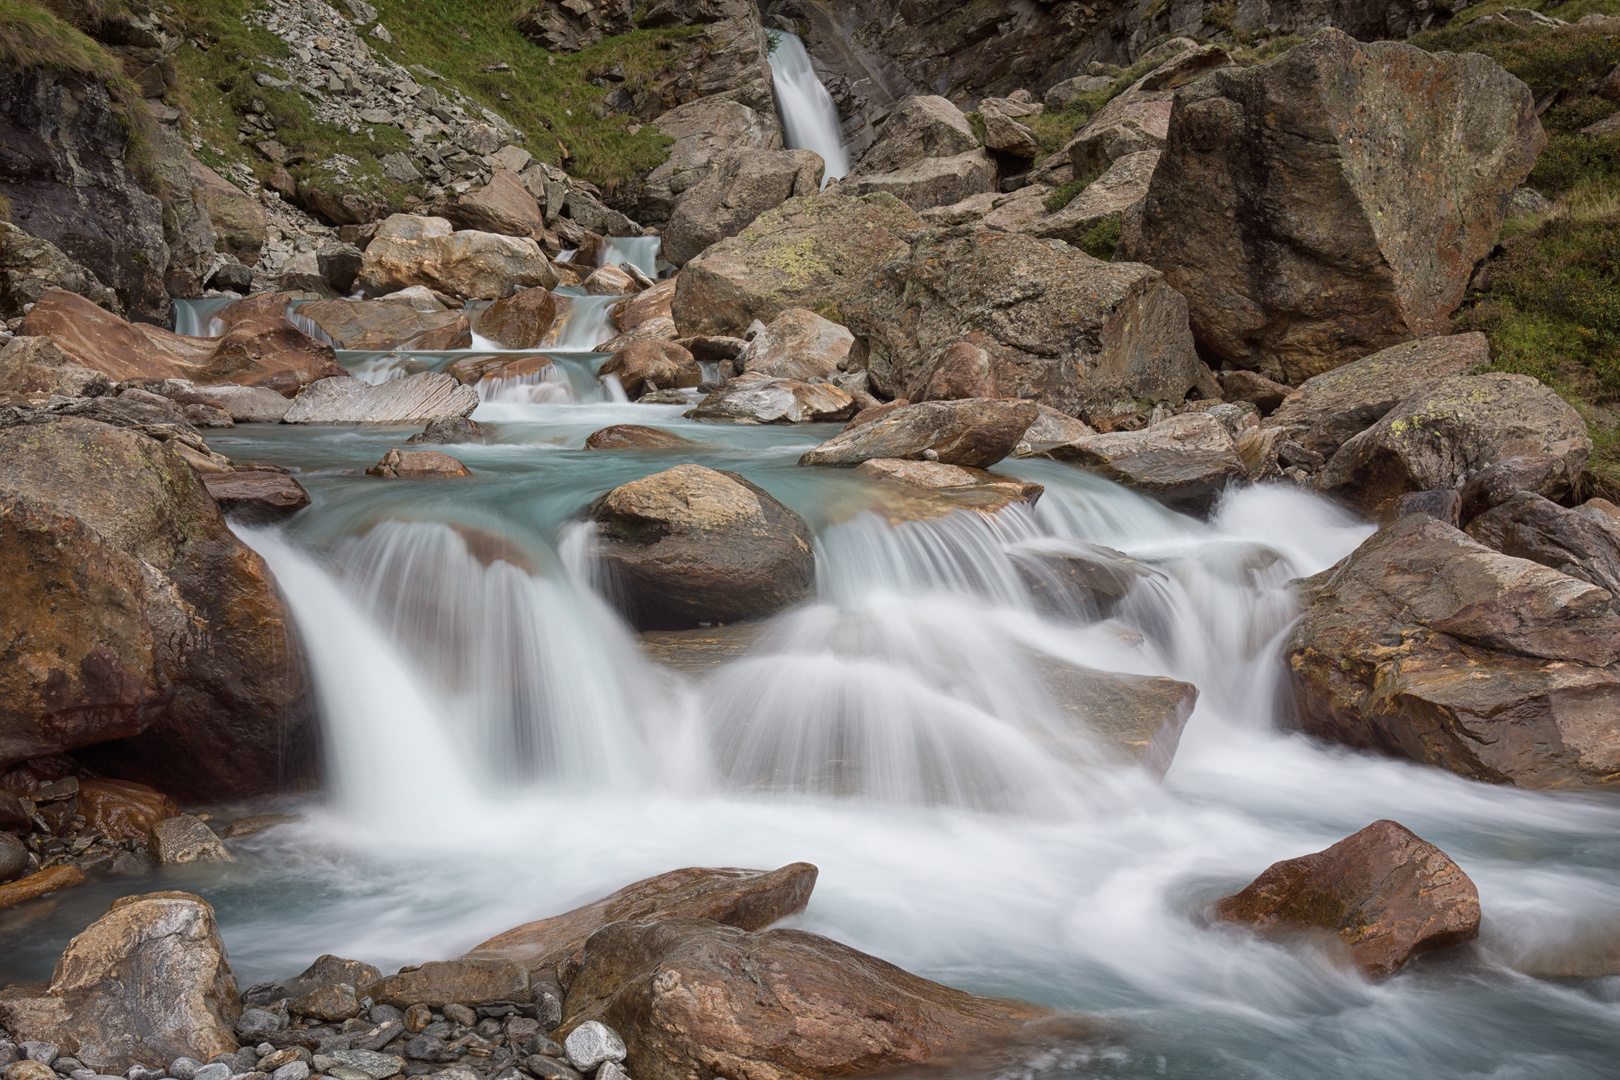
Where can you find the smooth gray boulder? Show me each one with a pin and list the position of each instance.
(415, 399)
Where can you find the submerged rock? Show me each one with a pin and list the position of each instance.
(635, 437)
(418, 465)
(974, 432)
(1384, 893)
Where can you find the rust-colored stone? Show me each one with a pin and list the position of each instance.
(123, 809)
(521, 321)
(36, 885)
(635, 437)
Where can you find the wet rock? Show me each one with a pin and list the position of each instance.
(375, 325)
(472, 370)
(31, 267)
(186, 839)
(466, 981)
(1358, 257)
(502, 206)
(807, 252)
(415, 399)
(750, 899)
(691, 545)
(1051, 428)
(1542, 474)
(246, 404)
(410, 250)
(975, 433)
(693, 996)
(1186, 462)
(1440, 435)
(14, 817)
(256, 496)
(1528, 526)
(448, 429)
(1085, 581)
(1329, 409)
(663, 364)
(116, 540)
(1386, 894)
(654, 329)
(635, 437)
(1428, 645)
(741, 184)
(123, 809)
(646, 306)
(1062, 329)
(60, 876)
(146, 983)
(13, 858)
(418, 465)
(756, 398)
(1139, 716)
(798, 344)
(609, 281)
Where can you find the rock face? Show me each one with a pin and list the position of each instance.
(703, 130)
(1383, 892)
(1184, 462)
(692, 997)
(798, 344)
(415, 399)
(926, 155)
(642, 364)
(1334, 201)
(410, 250)
(1440, 435)
(135, 614)
(1426, 644)
(806, 252)
(754, 398)
(741, 185)
(31, 267)
(975, 433)
(747, 899)
(148, 982)
(375, 325)
(1061, 327)
(692, 545)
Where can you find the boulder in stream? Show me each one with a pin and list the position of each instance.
(375, 325)
(798, 344)
(975, 432)
(468, 980)
(757, 398)
(520, 321)
(635, 437)
(418, 465)
(256, 496)
(663, 364)
(415, 399)
(1185, 462)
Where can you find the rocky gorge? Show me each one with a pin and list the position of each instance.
(1090, 493)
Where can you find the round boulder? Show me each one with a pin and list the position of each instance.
(663, 363)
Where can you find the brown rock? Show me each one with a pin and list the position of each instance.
(747, 899)
(1184, 462)
(1086, 583)
(963, 370)
(467, 981)
(61, 876)
(335, 1001)
(755, 398)
(1385, 893)
(388, 324)
(645, 306)
(521, 321)
(33, 365)
(662, 363)
(123, 809)
(418, 465)
(1543, 474)
(331, 970)
(798, 344)
(1528, 526)
(410, 250)
(609, 281)
(976, 433)
(183, 839)
(256, 496)
(1251, 386)
(502, 206)
(471, 370)
(635, 437)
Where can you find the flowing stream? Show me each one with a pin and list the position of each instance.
(498, 748)
(809, 117)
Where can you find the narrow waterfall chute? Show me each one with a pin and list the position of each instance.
(809, 117)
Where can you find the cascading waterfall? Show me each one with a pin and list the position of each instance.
(586, 322)
(639, 251)
(809, 117)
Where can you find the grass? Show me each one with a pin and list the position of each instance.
(1101, 241)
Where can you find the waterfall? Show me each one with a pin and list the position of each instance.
(585, 323)
(809, 117)
(639, 251)
(195, 318)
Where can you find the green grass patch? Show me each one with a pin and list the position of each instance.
(1101, 240)
(32, 37)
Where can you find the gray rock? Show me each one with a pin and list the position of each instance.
(755, 398)
(591, 1044)
(251, 1020)
(920, 127)
(375, 1065)
(293, 1070)
(1528, 526)
(184, 1068)
(247, 404)
(43, 1052)
(13, 857)
(398, 167)
(973, 432)
(1062, 95)
(1184, 462)
(186, 839)
(741, 185)
(549, 1068)
(416, 399)
(611, 1070)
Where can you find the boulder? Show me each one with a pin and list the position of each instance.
(924, 490)
(472, 370)
(31, 267)
(963, 370)
(520, 321)
(35, 366)
(1116, 193)
(256, 496)
(741, 185)
(1255, 388)
(928, 182)
(183, 839)
(1441, 505)
(1425, 644)
(609, 281)
(1003, 133)
(920, 127)
(693, 997)
(415, 399)
(660, 363)
(376, 325)
(1439, 436)
(1543, 474)
(465, 981)
(502, 206)
(1384, 893)
(692, 545)
(238, 218)
(798, 344)
(135, 614)
(1051, 428)
(1528, 526)
(976, 433)
(410, 250)
(340, 265)
(1083, 582)
(1061, 328)
(646, 306)
(1328, 409)
(13, 856)
(814, 251)
(1334, 201)
(448, 429)
(257, 350)
(756, 398)
(332, 970)
(146, 983)
(635, 437)
(747, 899)
(1185, 462)
(655, 329)
(122, 809)
(702, 131)
(418, 465)
(1140, 716)
(245, 404)
(32, 887)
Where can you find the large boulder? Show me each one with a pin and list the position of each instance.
(930, 181)
(810, 252)
(146, 983)
(1185, 462)
(1116, 193)
(741, 185)
(31, 267)
(415, 399)
(703, 131)
(798, 344)
(973, 432)
(238, 218)
(692, 545)
(923, 126)
(135, 614)
(410, 250)
(1062, 328)
(1384, 893)
(693, 997)
(1334, 201)
(502, 206)
(35, 367)
(641, 365)
(646, 306)
(1328, 409)
(1425, 644)
(375, 325)
(1439, 436)
(1527, 526)
(258, 350)
(747, 899)
(521, 321)
(755, 398)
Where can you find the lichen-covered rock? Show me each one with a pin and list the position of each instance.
(1334, 201)
(1110, 197)
(741, 185)
(798, 344)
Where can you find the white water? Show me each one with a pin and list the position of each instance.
(640, 251)
(586, 323)
(809, 117)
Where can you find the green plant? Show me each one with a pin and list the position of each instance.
(1102, 240)
(773, 40)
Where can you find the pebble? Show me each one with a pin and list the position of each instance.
(461, 1015)
(70, 1065)
(548, 1068)
(540, 1044)
(215, 1071)
(429, 1048)
(520, 1030)
(381, 1014)
(612, 1070)
(259, 1020)
(141, 1072)
(592, 1043)
(42, 1052)
(418, 1017)
(293, 1070)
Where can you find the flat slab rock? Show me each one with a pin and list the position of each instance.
(256, 496)
(416, 399)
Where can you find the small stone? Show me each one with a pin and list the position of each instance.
(335, 1001)
(520, 1030)
(186, 839)
(43, 1052)
(264, 993)
(141, 1072)
(382, 1014)
(251, 1020)
(184, 1068)
(461, 1014)
(345, 1072)
(293, 1070)
(272, 1059)
(218, 1070)
(375, 1065)
(430, 1048)
(592, 1043)
(417, 1017)
(380, 32)
(546, 1047)
(612, 1070)
(549, 1068)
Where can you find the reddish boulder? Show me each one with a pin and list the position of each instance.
(521, 321)
(470, 370)
(123, 809)
(418, 465)
(662, 363)
(1385, 893)
(256, 496)
(503, 206)
(649, 304)
(635, 437)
